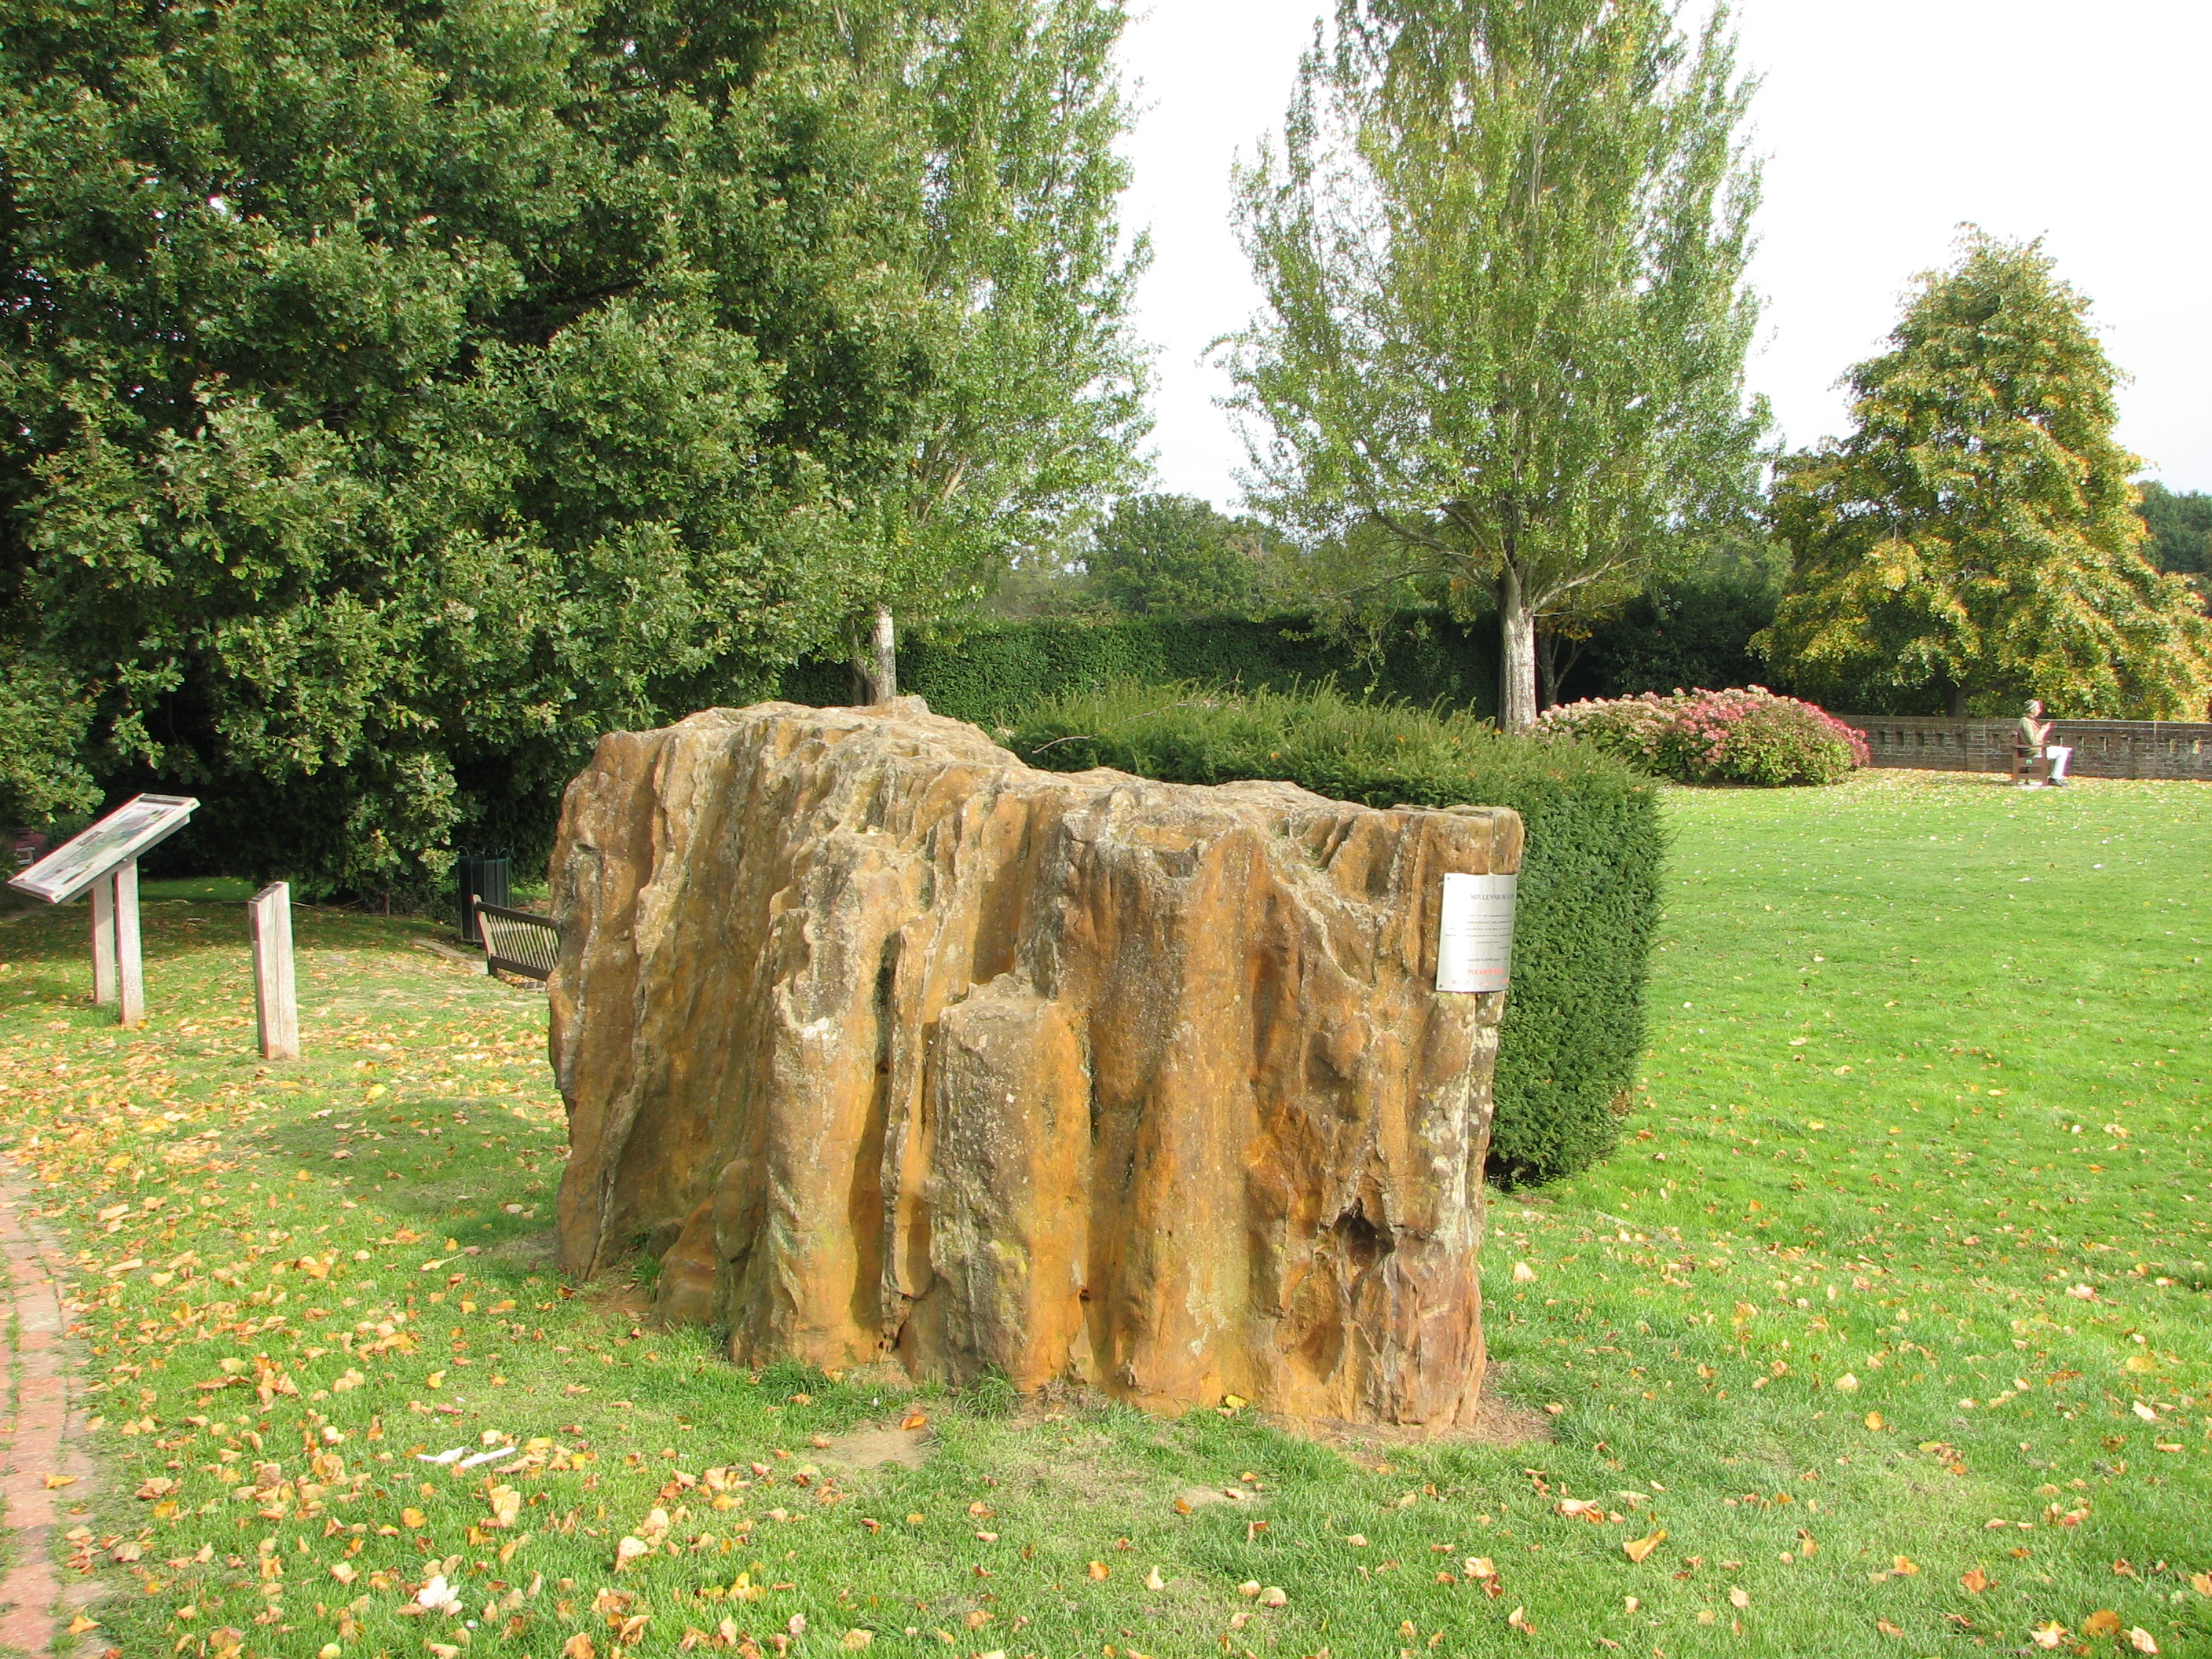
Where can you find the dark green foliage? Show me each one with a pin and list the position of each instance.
(1589, 882)
(43, 719)
(991, 672)
(394, 398)
(1682, 633)
(1161, 556)
(2180, 529)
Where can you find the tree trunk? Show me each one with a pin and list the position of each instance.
(1516, 635)
(856, 660)
(1547, 672)
(883, 648)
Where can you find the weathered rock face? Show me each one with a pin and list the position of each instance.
(897, 1047)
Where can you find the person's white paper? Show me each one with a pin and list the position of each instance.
(1474, 940)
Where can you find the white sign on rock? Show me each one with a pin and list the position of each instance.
(1474, 940)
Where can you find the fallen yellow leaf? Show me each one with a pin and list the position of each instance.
(2103, 1622)
(78, 1625)
(1636, 1548)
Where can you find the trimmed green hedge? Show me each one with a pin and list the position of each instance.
(990, 673)
(1589, 881)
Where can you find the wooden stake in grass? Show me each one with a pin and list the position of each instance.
(130, 963)
(103, 941)
(275, 996)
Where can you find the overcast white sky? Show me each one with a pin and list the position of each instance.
(1885, 123)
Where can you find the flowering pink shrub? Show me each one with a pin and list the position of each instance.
(1746, 735)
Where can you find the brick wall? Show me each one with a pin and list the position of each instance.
(2102, 749)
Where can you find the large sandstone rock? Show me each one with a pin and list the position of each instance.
(897, 1047)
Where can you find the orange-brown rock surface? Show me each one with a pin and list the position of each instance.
(895, 1047)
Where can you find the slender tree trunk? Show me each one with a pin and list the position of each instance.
(1517, 637)
(884, 650)
(1547, 672)
(856, 660)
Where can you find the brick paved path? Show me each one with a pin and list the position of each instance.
(42, 1409)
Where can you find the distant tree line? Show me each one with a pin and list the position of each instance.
(2180, 526)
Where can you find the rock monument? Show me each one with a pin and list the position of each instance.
(894, 1048)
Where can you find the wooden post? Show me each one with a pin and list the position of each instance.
(103, 940)
(275, 996)
(130, 966)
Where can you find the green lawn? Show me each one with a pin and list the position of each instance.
(1926, 1110)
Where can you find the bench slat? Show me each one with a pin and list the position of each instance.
(519, 941)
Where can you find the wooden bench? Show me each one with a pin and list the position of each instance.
(520, 941)
(2030, 762)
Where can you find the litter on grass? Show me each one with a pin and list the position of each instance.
(461, 1455)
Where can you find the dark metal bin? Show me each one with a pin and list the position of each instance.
(480, 877)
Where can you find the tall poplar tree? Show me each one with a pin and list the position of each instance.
(1024, 401)
(1502, 244)
(1974, 542)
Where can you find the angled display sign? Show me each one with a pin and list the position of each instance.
(141, 823)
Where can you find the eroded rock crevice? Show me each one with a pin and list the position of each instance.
(919, 1052)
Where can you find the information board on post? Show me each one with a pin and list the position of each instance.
(137, 826)
(1474, 935)
(105, 860)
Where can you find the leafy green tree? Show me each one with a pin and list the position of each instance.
(1974, 540)
(398, 397)
(43, 722)
(1503, 244)
(2180, 525)
(1177, 555)
(1025, 402)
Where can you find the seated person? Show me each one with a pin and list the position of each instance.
(2035, 737)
